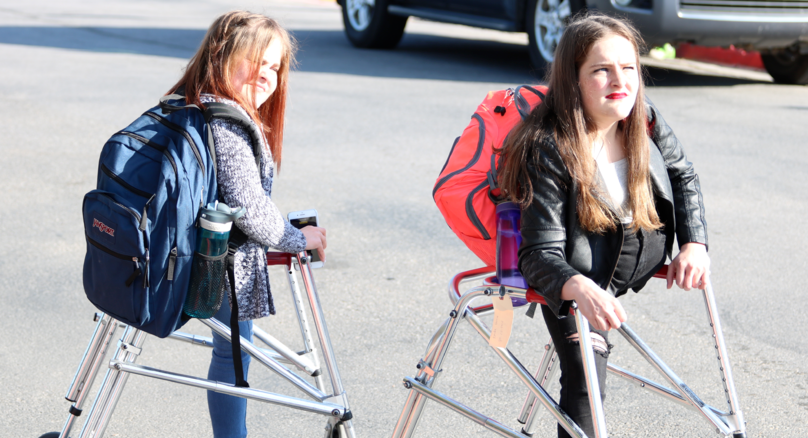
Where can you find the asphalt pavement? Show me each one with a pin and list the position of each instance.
(367, 134)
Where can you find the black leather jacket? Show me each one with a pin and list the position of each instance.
(555, 247)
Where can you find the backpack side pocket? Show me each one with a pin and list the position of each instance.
(206, 289)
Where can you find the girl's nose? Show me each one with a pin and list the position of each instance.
(619, 79)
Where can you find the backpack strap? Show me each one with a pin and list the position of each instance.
(235, 333)
(524, 108)
(169, 108)
(226, 112)
(237, 237)
(522, 104)
(494, 192)
(217, 110)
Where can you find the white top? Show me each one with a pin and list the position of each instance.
(615, 176)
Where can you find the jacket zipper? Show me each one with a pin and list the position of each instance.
(184, 133)
(622, 240)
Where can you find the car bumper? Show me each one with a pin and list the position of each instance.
(714, 22)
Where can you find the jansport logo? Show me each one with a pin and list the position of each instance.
(103, 227)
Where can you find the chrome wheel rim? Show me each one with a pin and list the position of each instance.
(360, 13)
(548, 23)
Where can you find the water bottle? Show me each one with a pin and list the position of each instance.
(205, 292)
(509, 238)
(215, 222)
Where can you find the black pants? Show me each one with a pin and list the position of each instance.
(642, 255)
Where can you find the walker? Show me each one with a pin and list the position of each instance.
(331, 403)
(728, 422)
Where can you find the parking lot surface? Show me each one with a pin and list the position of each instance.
(367, 134)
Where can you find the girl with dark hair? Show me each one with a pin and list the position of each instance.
(604, 187)
(244, 61)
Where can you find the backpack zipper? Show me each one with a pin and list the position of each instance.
(141, 220)
(477, 153)
(172, 260)
(153, 145)
(137, 272)
(144, 140)
(123, 183)
(141, 226)
(131, 211)
(173, 126)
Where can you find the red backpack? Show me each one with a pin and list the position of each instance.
(466, 191)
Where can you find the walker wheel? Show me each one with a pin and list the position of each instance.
(51, 435)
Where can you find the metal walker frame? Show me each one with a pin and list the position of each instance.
(332, 405)
(726, 423)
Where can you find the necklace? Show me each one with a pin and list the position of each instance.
(602, 145)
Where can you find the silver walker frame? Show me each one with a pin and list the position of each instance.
(334, 405)
(726, 423)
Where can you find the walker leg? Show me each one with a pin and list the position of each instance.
(305, 330)
(325, 340)
(541, 394)
(88, 368)
(685, 391)
(420, 387)
(108, 395)
(735, 415)
(588, 354)
(435, 352)
(543, 375)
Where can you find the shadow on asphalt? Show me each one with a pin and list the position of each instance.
(418, 57)
(659, 77)
(177, 43)
(328, 51)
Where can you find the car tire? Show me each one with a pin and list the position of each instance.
(787, 66)
(545, 23)
(368, 25)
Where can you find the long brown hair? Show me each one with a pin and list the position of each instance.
(561, 119)
(233, 37)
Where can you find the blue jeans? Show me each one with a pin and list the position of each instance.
(228, 414)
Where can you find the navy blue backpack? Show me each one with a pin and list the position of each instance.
(153, 176)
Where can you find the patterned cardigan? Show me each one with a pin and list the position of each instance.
(241, 185)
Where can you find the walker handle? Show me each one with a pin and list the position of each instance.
(279, 258)
(662, 273)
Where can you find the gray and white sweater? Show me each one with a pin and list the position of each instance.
(241, 185)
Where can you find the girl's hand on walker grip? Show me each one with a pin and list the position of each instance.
(315, 239)
(690, 268)
(601, 309)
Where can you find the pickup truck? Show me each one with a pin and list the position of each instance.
(778, 29)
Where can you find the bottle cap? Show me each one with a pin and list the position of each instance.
(219, 217)
(507, 206)
(215, 226)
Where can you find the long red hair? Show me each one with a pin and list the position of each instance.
(233, 37)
